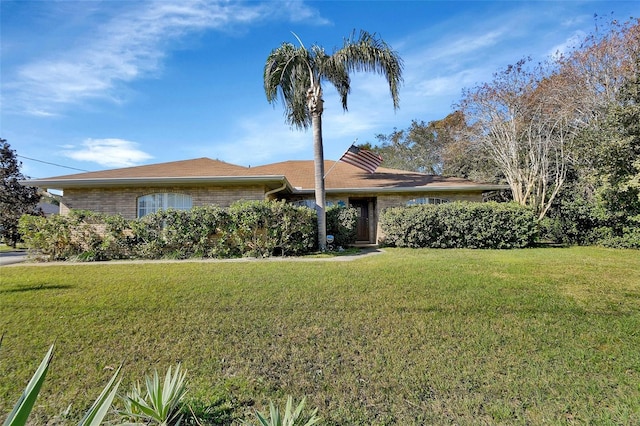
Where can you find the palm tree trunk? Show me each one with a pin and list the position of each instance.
(318, 161)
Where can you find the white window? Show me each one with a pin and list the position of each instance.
(305, 203)
(151, 203)
(426, 200)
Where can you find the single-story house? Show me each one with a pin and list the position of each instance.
(136, 191)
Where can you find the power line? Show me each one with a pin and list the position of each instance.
(53, 164)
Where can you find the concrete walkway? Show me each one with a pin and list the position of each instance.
(19, 258)
(12, 257)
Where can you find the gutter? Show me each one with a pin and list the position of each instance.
(154, 181)
(408, 189)
(61, 184)
(273, 191)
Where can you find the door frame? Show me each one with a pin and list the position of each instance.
(369, 204)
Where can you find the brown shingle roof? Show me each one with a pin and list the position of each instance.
(339, 175)
(198, 167)
(299, 174)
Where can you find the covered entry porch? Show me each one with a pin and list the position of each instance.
(367, 223)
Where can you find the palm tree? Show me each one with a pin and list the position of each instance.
(297, 74)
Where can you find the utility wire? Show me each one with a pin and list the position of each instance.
(53, 164)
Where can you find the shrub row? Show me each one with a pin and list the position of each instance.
(460, 225)
(253, 228)
(578, 221)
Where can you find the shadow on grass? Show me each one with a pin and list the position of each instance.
(349, 252)
(36, 287)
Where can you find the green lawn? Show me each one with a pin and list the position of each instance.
(535, 336)
(4, 247)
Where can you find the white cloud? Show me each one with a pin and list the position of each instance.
(129, 46)
(466, 45)
(297, 11)
(108, 152)
(262, 138)
(568, 45)
(450, 84)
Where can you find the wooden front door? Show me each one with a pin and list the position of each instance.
(362, 206)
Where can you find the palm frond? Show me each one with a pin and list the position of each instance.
(337, 74)
(369, 53)
(288, 75)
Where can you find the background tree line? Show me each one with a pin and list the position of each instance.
(564, 134)
(15, 199)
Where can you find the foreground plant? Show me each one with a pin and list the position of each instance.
(23, 407)
(93, 417)
(159, 402)
(291, 417)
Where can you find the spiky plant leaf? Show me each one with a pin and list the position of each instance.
(22, 409)
(102, 404)
(160, 402)
(292, 417)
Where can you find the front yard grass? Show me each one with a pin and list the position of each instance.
(534, 336)
(5, 248)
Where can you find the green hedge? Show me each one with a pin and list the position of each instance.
(575, 220)
(342, 223)
(460, 225)
(199, 232)
(255, 228)
(62, 237)
(264, 228)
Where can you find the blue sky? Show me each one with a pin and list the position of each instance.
(97, 85)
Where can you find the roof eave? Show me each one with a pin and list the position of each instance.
(430, 188)
(62, 184)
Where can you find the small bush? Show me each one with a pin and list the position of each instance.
(630, 239)
(199, 232)
(572, 221)
(575, 220)
(460, 225)
(262, 228)
(62, 237)
(342, 223)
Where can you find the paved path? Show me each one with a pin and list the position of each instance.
(12, 257)
(19, 258)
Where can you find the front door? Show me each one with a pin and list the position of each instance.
(362, 207)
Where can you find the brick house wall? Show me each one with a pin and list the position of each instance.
(124, 201)
(382, 201)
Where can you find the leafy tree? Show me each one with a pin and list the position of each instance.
(524, 120)
(599, 71)
(599, 67)
(617, 162)
(297, 74)
(15, 199)
(547, 123)
(460, 157)
(605, 169)
(416, 149)
(439, 147)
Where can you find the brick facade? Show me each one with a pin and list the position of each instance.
(124, 201)
(378, 202)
